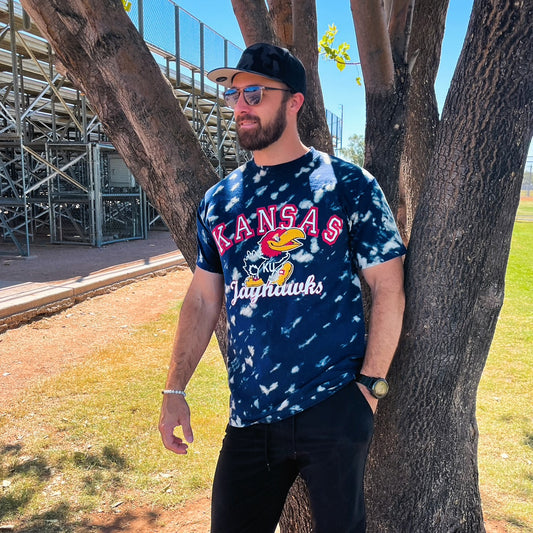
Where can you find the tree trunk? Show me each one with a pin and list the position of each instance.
(383, 42)
(384, 136)
(423, 465)
(296, 516)
(255, 21)
(282, 21)
(312, 123)
(106, 58)
(422, 111)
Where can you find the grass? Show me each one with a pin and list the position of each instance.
(505, 396)
(525, 209)
(87, 439)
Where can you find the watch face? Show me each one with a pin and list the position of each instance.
(381, 388)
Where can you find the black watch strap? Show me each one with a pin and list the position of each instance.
(378, 387)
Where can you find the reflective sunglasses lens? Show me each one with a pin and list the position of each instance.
(231, 97)
(253, 95)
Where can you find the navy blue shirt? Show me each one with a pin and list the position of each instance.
(289, 240)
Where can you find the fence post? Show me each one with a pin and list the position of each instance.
(202, 58)
(140, 14)
(177, 45)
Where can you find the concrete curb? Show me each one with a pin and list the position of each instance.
(25, 301)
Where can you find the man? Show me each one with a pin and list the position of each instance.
(282, 239)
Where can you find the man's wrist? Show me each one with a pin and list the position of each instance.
(378, 387)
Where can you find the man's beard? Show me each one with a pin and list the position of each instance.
(262, 137)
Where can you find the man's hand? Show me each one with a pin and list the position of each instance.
(175, 412)
(373, 402)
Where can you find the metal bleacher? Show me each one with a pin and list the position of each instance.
(61, 180)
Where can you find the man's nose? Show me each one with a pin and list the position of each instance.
(241, 103)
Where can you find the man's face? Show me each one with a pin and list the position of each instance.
(261, 125)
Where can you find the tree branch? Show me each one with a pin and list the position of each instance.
(374, 45)
(254, 21)
(305, 33)
(282, 20)
(400, 28)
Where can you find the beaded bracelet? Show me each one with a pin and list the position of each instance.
(171, 391)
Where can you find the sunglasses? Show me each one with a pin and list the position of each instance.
(252, 95)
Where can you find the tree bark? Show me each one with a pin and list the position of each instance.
(423, 466)
(296, 516)
(255, 22)
(383, 55)
(106, 58)
(312, 123)
(281, 14)
(422, 111)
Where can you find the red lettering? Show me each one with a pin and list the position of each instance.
(266, 221)
(288, 216)
(242, 227)
(333, 230)
(223, 243)
(311, 221)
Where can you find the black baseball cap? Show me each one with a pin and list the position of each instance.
(265, 60)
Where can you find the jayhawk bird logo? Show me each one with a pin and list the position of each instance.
(270, 262)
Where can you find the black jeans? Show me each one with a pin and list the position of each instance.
(327, 444)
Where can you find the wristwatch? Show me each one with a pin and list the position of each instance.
(378, 387)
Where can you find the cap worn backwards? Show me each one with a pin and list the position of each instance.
(265, 60)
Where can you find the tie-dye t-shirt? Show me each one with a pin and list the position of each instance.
(289, 240)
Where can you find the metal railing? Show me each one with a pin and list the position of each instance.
(58, 172)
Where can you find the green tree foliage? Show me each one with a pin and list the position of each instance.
(340, 55)
(354, 151)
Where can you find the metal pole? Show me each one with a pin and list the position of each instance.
(26, 21)
(202, 58)
(140, 15)
(52, 96)
(96, 195)
(18, 125)
(51, 206)
(220, 151)
(84, 117)
(342, 121)
(14, 66)
(177, 43)
(26, 221)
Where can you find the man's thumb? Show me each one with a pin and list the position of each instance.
(187, 432)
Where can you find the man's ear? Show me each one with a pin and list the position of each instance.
(296, 102)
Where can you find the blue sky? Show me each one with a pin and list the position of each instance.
(341, 93)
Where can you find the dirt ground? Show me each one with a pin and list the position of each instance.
(43, 348)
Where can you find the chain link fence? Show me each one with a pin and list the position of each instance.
(194, 46)
(185, 39)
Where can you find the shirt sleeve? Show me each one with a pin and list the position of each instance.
(375, 237)
(208, 257)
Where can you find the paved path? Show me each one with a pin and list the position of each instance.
(57, 276)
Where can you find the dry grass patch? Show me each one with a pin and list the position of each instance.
(87, 439)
